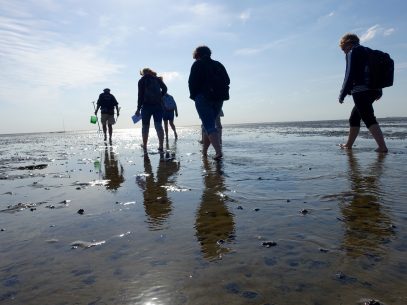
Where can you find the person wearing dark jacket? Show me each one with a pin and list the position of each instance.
(107, 102)
(208, 108)
(151, 89)
(356, 83)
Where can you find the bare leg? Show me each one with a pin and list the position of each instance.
(378, 136)
(104, 131)
(353, 134)
(214, 139)
(145, 140)
(110, 131)
(174, 129)
(218, 125)
(166, 129)
(160, 135)
(205, 144)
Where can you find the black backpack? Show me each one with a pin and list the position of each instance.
(218, 81)
(152, 90)
(381, 69)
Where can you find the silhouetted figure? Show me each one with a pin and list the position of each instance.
(209, 88)
(107, 102)
(150, 92)
(170, 108)
(214, 223)
(356, 82)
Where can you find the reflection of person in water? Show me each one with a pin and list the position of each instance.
(367, 224)
(112, 171)
(156, 202)
(214, 223)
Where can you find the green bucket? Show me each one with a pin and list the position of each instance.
(93, 119)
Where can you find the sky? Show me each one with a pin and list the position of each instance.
(282, 56)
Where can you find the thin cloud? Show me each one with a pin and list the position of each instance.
(178, 30)
(198, 19)
(35, 56)
(388, 32)
(261, 49)
(370, 33)
(401, 66)
(250, 51)
(81, 13)
(204, 9)
(374, 31)
(244, 16)
(170, 76)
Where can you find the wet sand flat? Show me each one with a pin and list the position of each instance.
(286, 218)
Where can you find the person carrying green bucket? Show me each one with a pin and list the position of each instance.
(107, 102)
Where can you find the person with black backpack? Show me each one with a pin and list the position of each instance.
(151, 90)
(358, 83)
(107, 102)
(209, 88)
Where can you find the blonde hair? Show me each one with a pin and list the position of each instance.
(148, 71)
(348, 38)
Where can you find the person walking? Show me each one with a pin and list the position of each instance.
(150, 92)
(107, 102)
(209, 87)
(356, 83)
(170, 107)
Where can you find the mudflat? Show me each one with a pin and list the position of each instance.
(286, 217)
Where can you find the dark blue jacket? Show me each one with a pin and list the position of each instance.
(356, 74)
(198, 81)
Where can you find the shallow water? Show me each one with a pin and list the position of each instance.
(179, 229)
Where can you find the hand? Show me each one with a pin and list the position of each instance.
(340, 101)
(118, 113)
(138, 112)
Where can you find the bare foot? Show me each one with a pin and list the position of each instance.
(381, 150)
(218, 157)
(344, 146)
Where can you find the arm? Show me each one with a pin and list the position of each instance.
(116, 105)
(97, 106)
(140, 96)
(163, 87)
(193, 80)
(347, 82)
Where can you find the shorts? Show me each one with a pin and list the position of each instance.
(208, 111)
(363, 109)
(109, 118)
(155, 111)
(168, 115)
